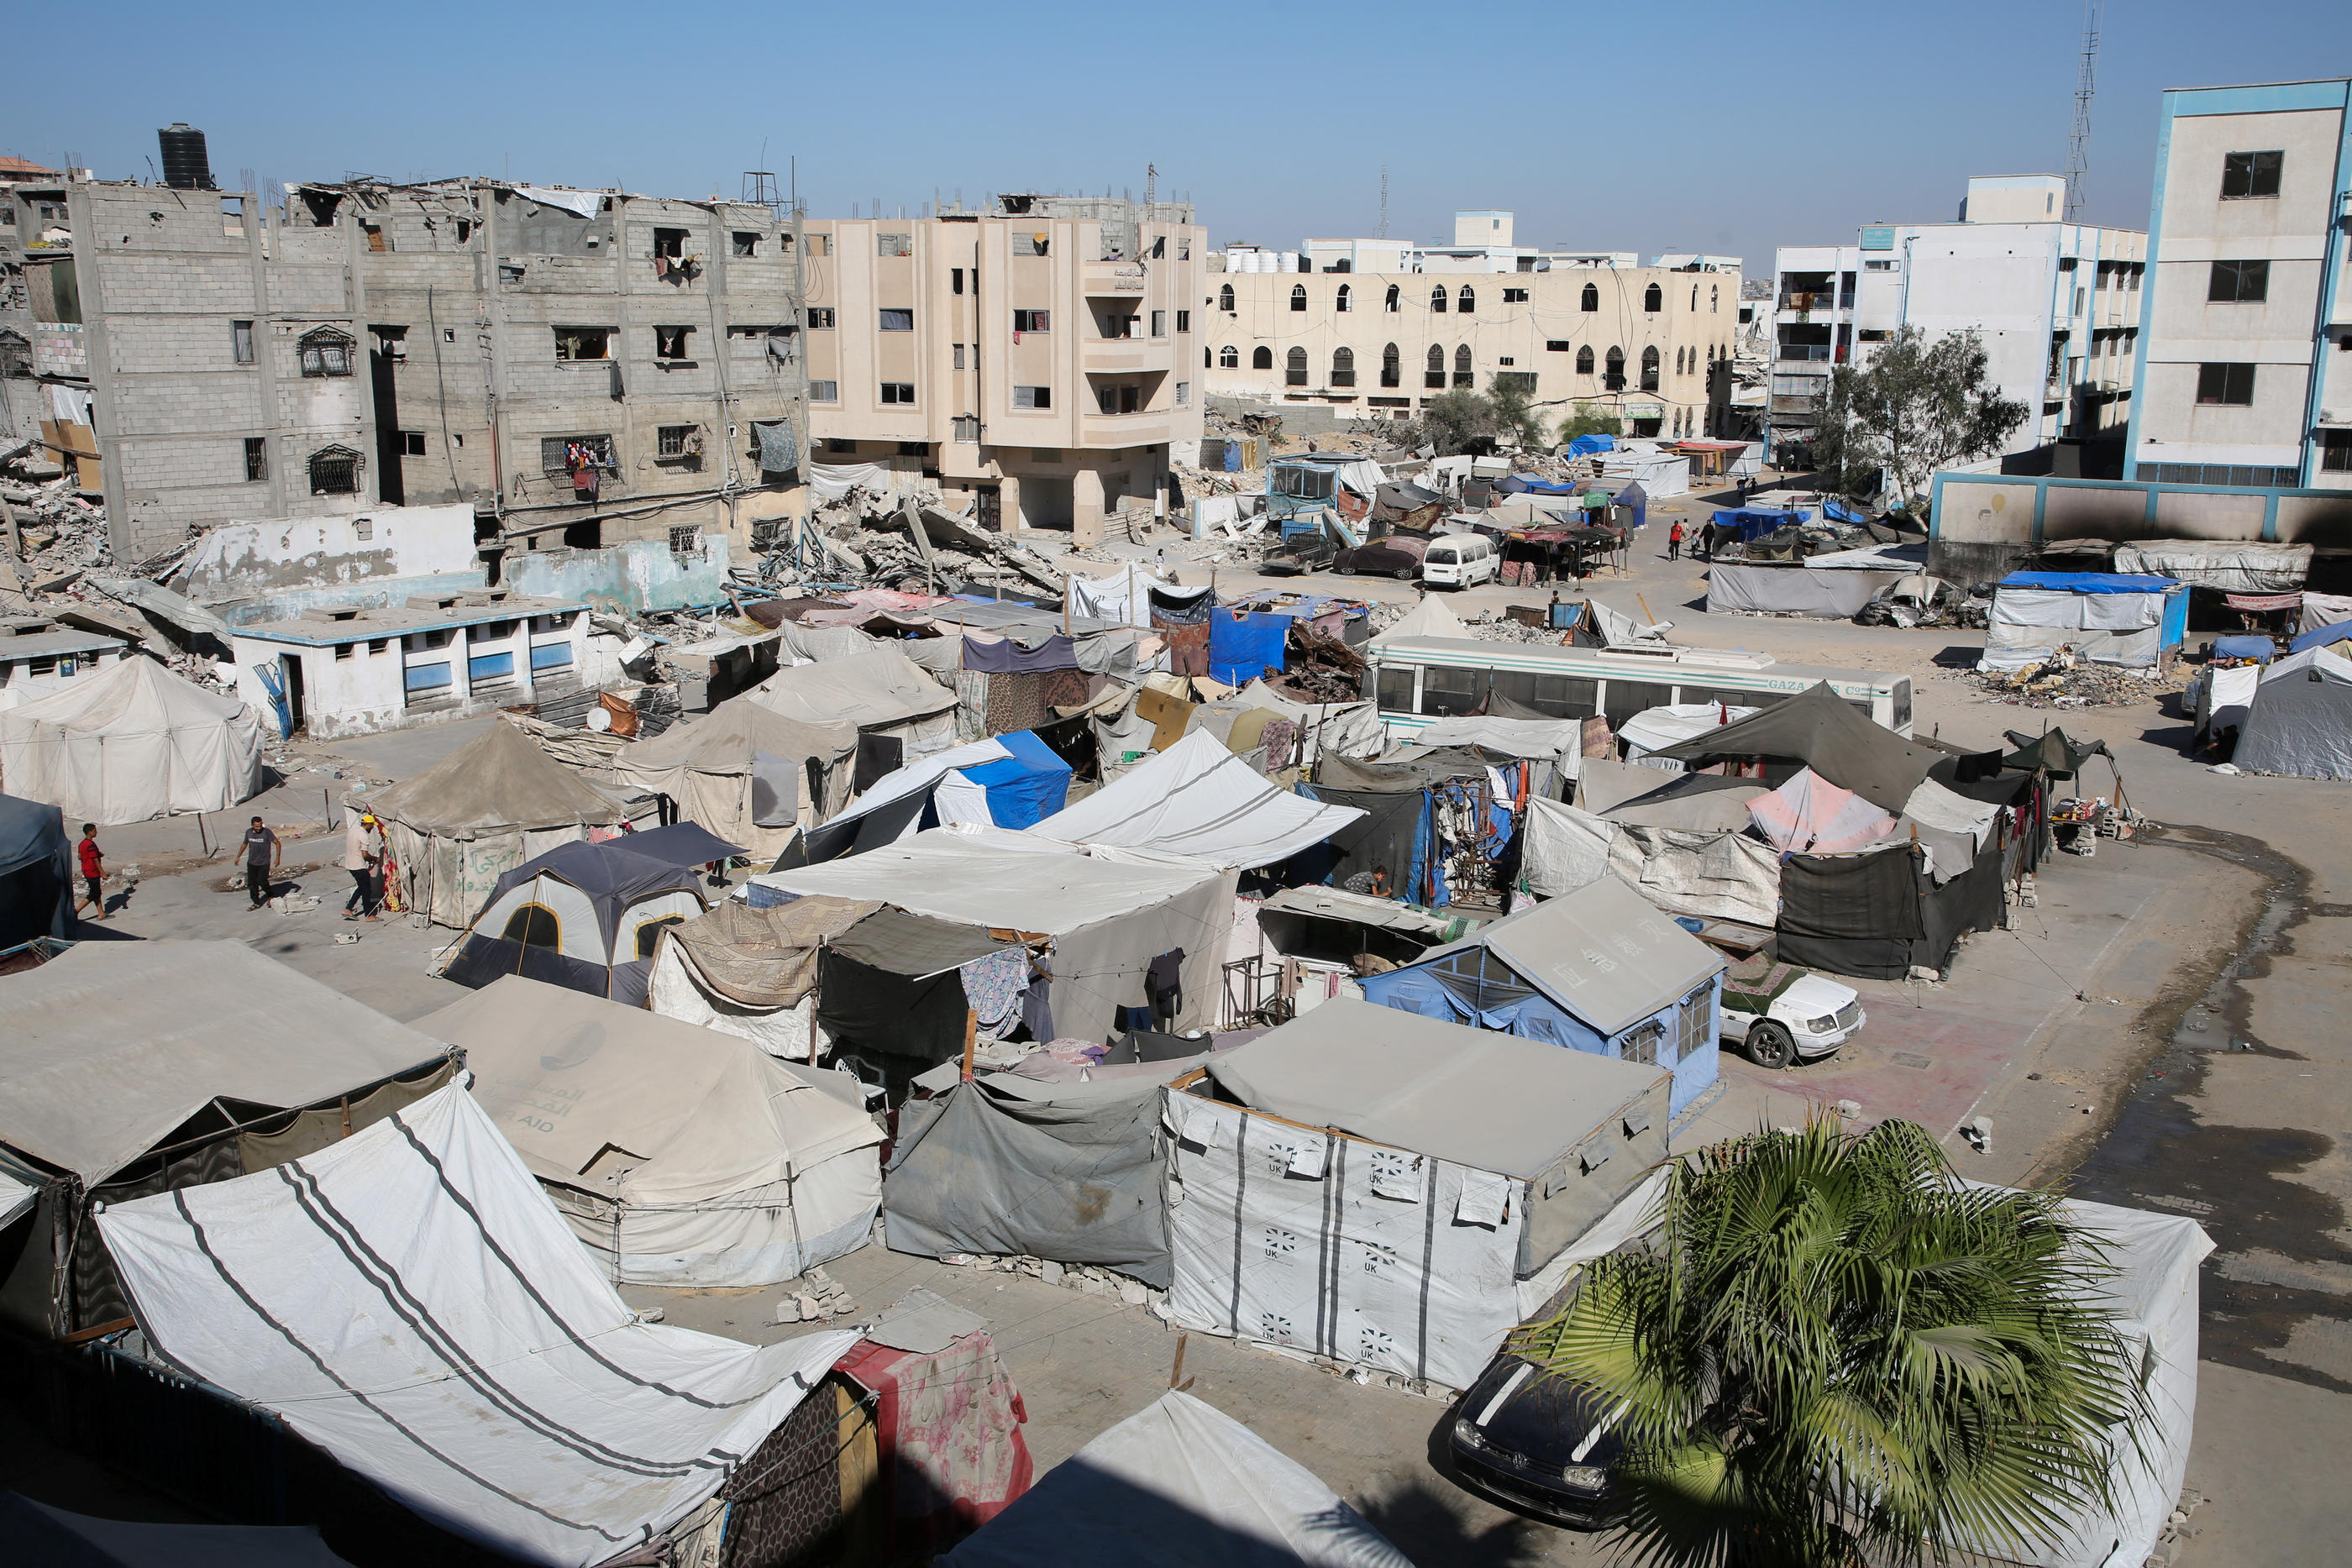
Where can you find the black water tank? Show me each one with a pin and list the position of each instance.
(185, 166)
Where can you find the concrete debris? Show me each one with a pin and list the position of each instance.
(2064, 681)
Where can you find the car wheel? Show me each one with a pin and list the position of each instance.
(1767, 1045)
(1405, 574)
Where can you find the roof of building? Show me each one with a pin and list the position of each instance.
(325, 628)
(50, 642)
(13, 168)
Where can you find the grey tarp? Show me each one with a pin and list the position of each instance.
(712, 766)
(37, 871)
(878, 689)
(1707, 872)
(1071, 1172)
(764, 957)
(2301, 719)
(1833, 594)
(1602, 953)
(1823, 730)
(2232, 566)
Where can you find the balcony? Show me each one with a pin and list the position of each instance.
(1110, 279)
(1143, 428)
(1112, 355)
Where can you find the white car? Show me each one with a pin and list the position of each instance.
(1778, 1015)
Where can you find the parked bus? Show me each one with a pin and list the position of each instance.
(1416, 679)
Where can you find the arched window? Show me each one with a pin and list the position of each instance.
(1343, 366)
(1435, 375)
(1391, 367)
(1584, 360)
(1714, 297)
(1461, 376)
(1693, 298)
(1208, 359)
(1654, 299)
(334, 471)
(1650, 368)
(1342, 301)
(1593, 296)
(1437, 299)
(1229, 357)
(1468, 302)
(1615, 381)
(1298, 297)
(1396, 297)
(326, 352)
(1262, 359)
(1225, 297)
(1678, 361)
(1295, 368)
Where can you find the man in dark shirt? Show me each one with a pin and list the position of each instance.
(262, 853)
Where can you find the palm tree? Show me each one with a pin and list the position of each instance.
(1832, 1352)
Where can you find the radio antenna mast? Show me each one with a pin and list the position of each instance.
(2078, 144)
(1384, 201)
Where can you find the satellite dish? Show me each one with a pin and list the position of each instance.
(599, 720)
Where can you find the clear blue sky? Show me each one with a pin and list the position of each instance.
(1701, 127)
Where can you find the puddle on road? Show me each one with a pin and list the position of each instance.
(2236, 1180)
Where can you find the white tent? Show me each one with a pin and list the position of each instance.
(1178, 1484)
(681, 1155)
(410, 1300)
(1342, 730)
(1430, 618)
(1198, 799)
(131, 742)
(2299, 722)
(746, 773)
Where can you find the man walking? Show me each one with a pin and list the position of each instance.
(364, 861)
(93, 872)
(262, 853)
(1675, 541)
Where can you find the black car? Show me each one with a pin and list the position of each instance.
(1539, 1444)
(1391, 557)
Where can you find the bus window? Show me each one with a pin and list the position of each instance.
(1559, 697)
(1626, 699)
(1450, 692)
(1396, 688)
(1902, 705)
(1734, 698)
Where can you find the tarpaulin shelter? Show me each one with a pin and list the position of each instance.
(1738, 525)
(2300, 721)
(1431, 617)
(1808, 589)
(1012, 780)
(2227, 566)
(1810, 815)
(1198, 799)
(747, 773)
(1596, 969)
(2108, 618)
(1879, 912)
(1461, 1166)
(2054, 751)
(1586, 445)
(948, 1455)
(2218, 696)
(748, 972)
(39, 1536)
(37, 871)
(587, 916)
(1108, 913)
(1823, 731)
(1683, 855)
(881, 691)
(1177, 1485)
(1416, 813)
(1656, 728)
(1245, 645)
(129, 1068)
(463, 823)
(895, 991)
(2321, 610)
(679, 1155)
(1341, 729)
(410, 1300)
(130, 742)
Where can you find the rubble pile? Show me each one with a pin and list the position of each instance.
(61, 531)
(1493, 628)
(905, 540)
(2065, 682)
(1322, 669)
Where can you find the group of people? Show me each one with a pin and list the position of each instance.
(364, 856)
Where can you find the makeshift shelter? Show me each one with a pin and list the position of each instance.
(1423, 816)
(39, 1536)
(587, 916)
(1661, 474)
(1197, 798)
(1654, 729)
(680, 1155)
(1459, 1165)
(1744, 525)
(1818, 589)
(1685, 854)
(37, 871)
(1596, 969)
(458, 827)
(2320, 636)
(886, 694)
(2053, 752)
(410, 1300)
(896, 993)
(1177, 1485)
(2108, 618)
(2226, 566)
(750, 972)
(130, 742)
(129, 1068)
(2300, 721)
(1012, 780)
(1108, 913)
(1821, 730)
(1811, 815)
(747, 773)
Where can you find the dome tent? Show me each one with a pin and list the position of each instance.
(131, 742)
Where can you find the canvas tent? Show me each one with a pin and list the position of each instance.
(130, 742)
(412, 1302)
(2108, 618)
(115, 1050)
(1432, 617)
(1007, 781)
(1821, 729)
(1198, 799)
(748, 972)
(681, 1155)
(2228, 566)
(882, 692)
(37, 871)
(587, 916)
(1687, 853)
(750, 775)
(1452, 1170)
(1808, 589)
(1595, 969)
(2300, 721)
(463, 823)
(1178, 1484)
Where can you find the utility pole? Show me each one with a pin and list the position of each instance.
(2078, 144)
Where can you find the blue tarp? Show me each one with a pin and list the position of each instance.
(1531, 484)
(2258, 648)
(2320, 636)
(1834, 508)
(1586, 445)
(1025, 788)
(2088, 582)
(1243, 646)
(1745, 523)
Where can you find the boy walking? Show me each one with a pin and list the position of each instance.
(93, 872)
(1675, 541)
(262, 853)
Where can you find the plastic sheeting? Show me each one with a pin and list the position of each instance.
(1706, 873)
(1197, 798)
(881, 691)
(710, 766)
(2232, 566)
(131, 742)
(832, 481)
(1822, 595)
(1810, 815)
(410, 1302)
(1175, 1486)
(1430, 618)
(1243, 647)
(2299, 722)
(37, 871)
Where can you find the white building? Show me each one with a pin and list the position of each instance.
(2246, 366)
(2055, 304)
(1482, 242)
(40, 656)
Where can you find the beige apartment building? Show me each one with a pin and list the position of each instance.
(1036, 356)
(1652, 345)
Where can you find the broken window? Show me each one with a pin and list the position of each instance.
(820, 317)
(1654, 298)
(1298, 297)
(2336, 452)
(670, 242)
(1293, 372)
(2237, 281)
(1391, 367)
(824, 392)
(1032, 322)
(1229, 357)
(898, 393)
(2232, 385)
(240, 336)
(412, 444)
(16, 355)
(838, 446)
(2250, 174)
(1593, 296)
(1029, 244)
(325, 351)
(1437, 299)
(1262, 359)
(334, 471)
(391, 343)
(1650, 368)
(1342, 300)
(1435, 375)
(677, 441)
(580, 343)
(955, 280)
(1225, 297)
(894, 245)
(1466, 301)
(1584, 360)
(1183, 393)
(1160, 323)
(747, 242)
(257, 459)
(958, 357)
(913, 449)
(672, 342)
(1463, 376)
(1033, 397)
(1615, 378)
(895, 320)
(1343, 366)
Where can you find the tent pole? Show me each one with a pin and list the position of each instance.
(971, 1033)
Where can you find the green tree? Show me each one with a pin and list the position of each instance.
(1512, 398)
(1832, 1352)
(1586, 420)
(1452, 420)
(1921, 405)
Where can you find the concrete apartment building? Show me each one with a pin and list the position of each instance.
(581, 367)
(1652, 345)
(1036, 356)
(2245, 369)
(2057, 306)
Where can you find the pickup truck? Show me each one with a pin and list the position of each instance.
(1779, 1014)
(1298, 554)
